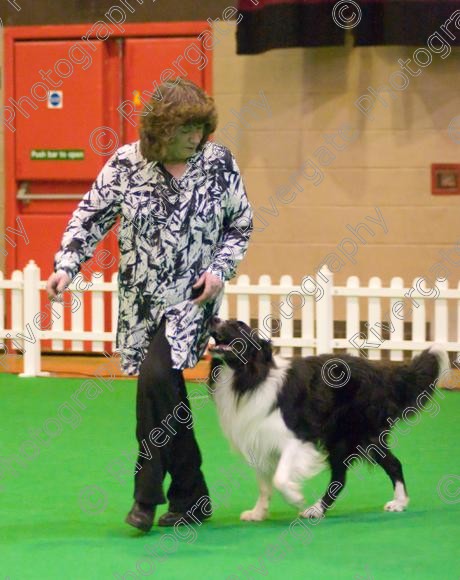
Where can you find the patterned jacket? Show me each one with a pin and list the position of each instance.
(170, 232)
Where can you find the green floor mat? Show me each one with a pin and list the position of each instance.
(64, 498)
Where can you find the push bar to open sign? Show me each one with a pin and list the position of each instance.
(57, 154)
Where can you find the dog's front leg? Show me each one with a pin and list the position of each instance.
(260, 510)
(286, 478)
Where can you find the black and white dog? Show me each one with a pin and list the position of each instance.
(287, 416)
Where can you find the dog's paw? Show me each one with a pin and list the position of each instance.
(314, 512)
(253, 516)
(395, 505)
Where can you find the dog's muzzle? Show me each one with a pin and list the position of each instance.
(219, 345)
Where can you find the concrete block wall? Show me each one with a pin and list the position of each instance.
(300, 100)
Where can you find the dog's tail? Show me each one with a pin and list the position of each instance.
(420, 376)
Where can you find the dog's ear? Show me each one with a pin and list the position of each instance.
(267, 349)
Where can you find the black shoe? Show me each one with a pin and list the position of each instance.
(171, 518)
(141, 516)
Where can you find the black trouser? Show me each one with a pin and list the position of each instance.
(162, 406)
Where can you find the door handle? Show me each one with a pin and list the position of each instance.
(24, 195)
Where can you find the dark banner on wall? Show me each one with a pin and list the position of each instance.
(267, 24)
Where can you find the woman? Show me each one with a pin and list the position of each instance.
(185, 225)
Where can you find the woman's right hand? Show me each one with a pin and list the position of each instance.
(57, 282)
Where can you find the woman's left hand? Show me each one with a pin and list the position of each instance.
(212, 286)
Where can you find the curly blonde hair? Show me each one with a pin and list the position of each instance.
(178, 102)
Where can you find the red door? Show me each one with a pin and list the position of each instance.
(64, 136)
(150, 61)
(55, 164)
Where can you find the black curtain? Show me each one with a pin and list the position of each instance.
(267, 24)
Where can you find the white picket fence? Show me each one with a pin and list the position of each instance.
(305, 327)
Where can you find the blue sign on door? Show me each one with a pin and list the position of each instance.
(55, 100)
